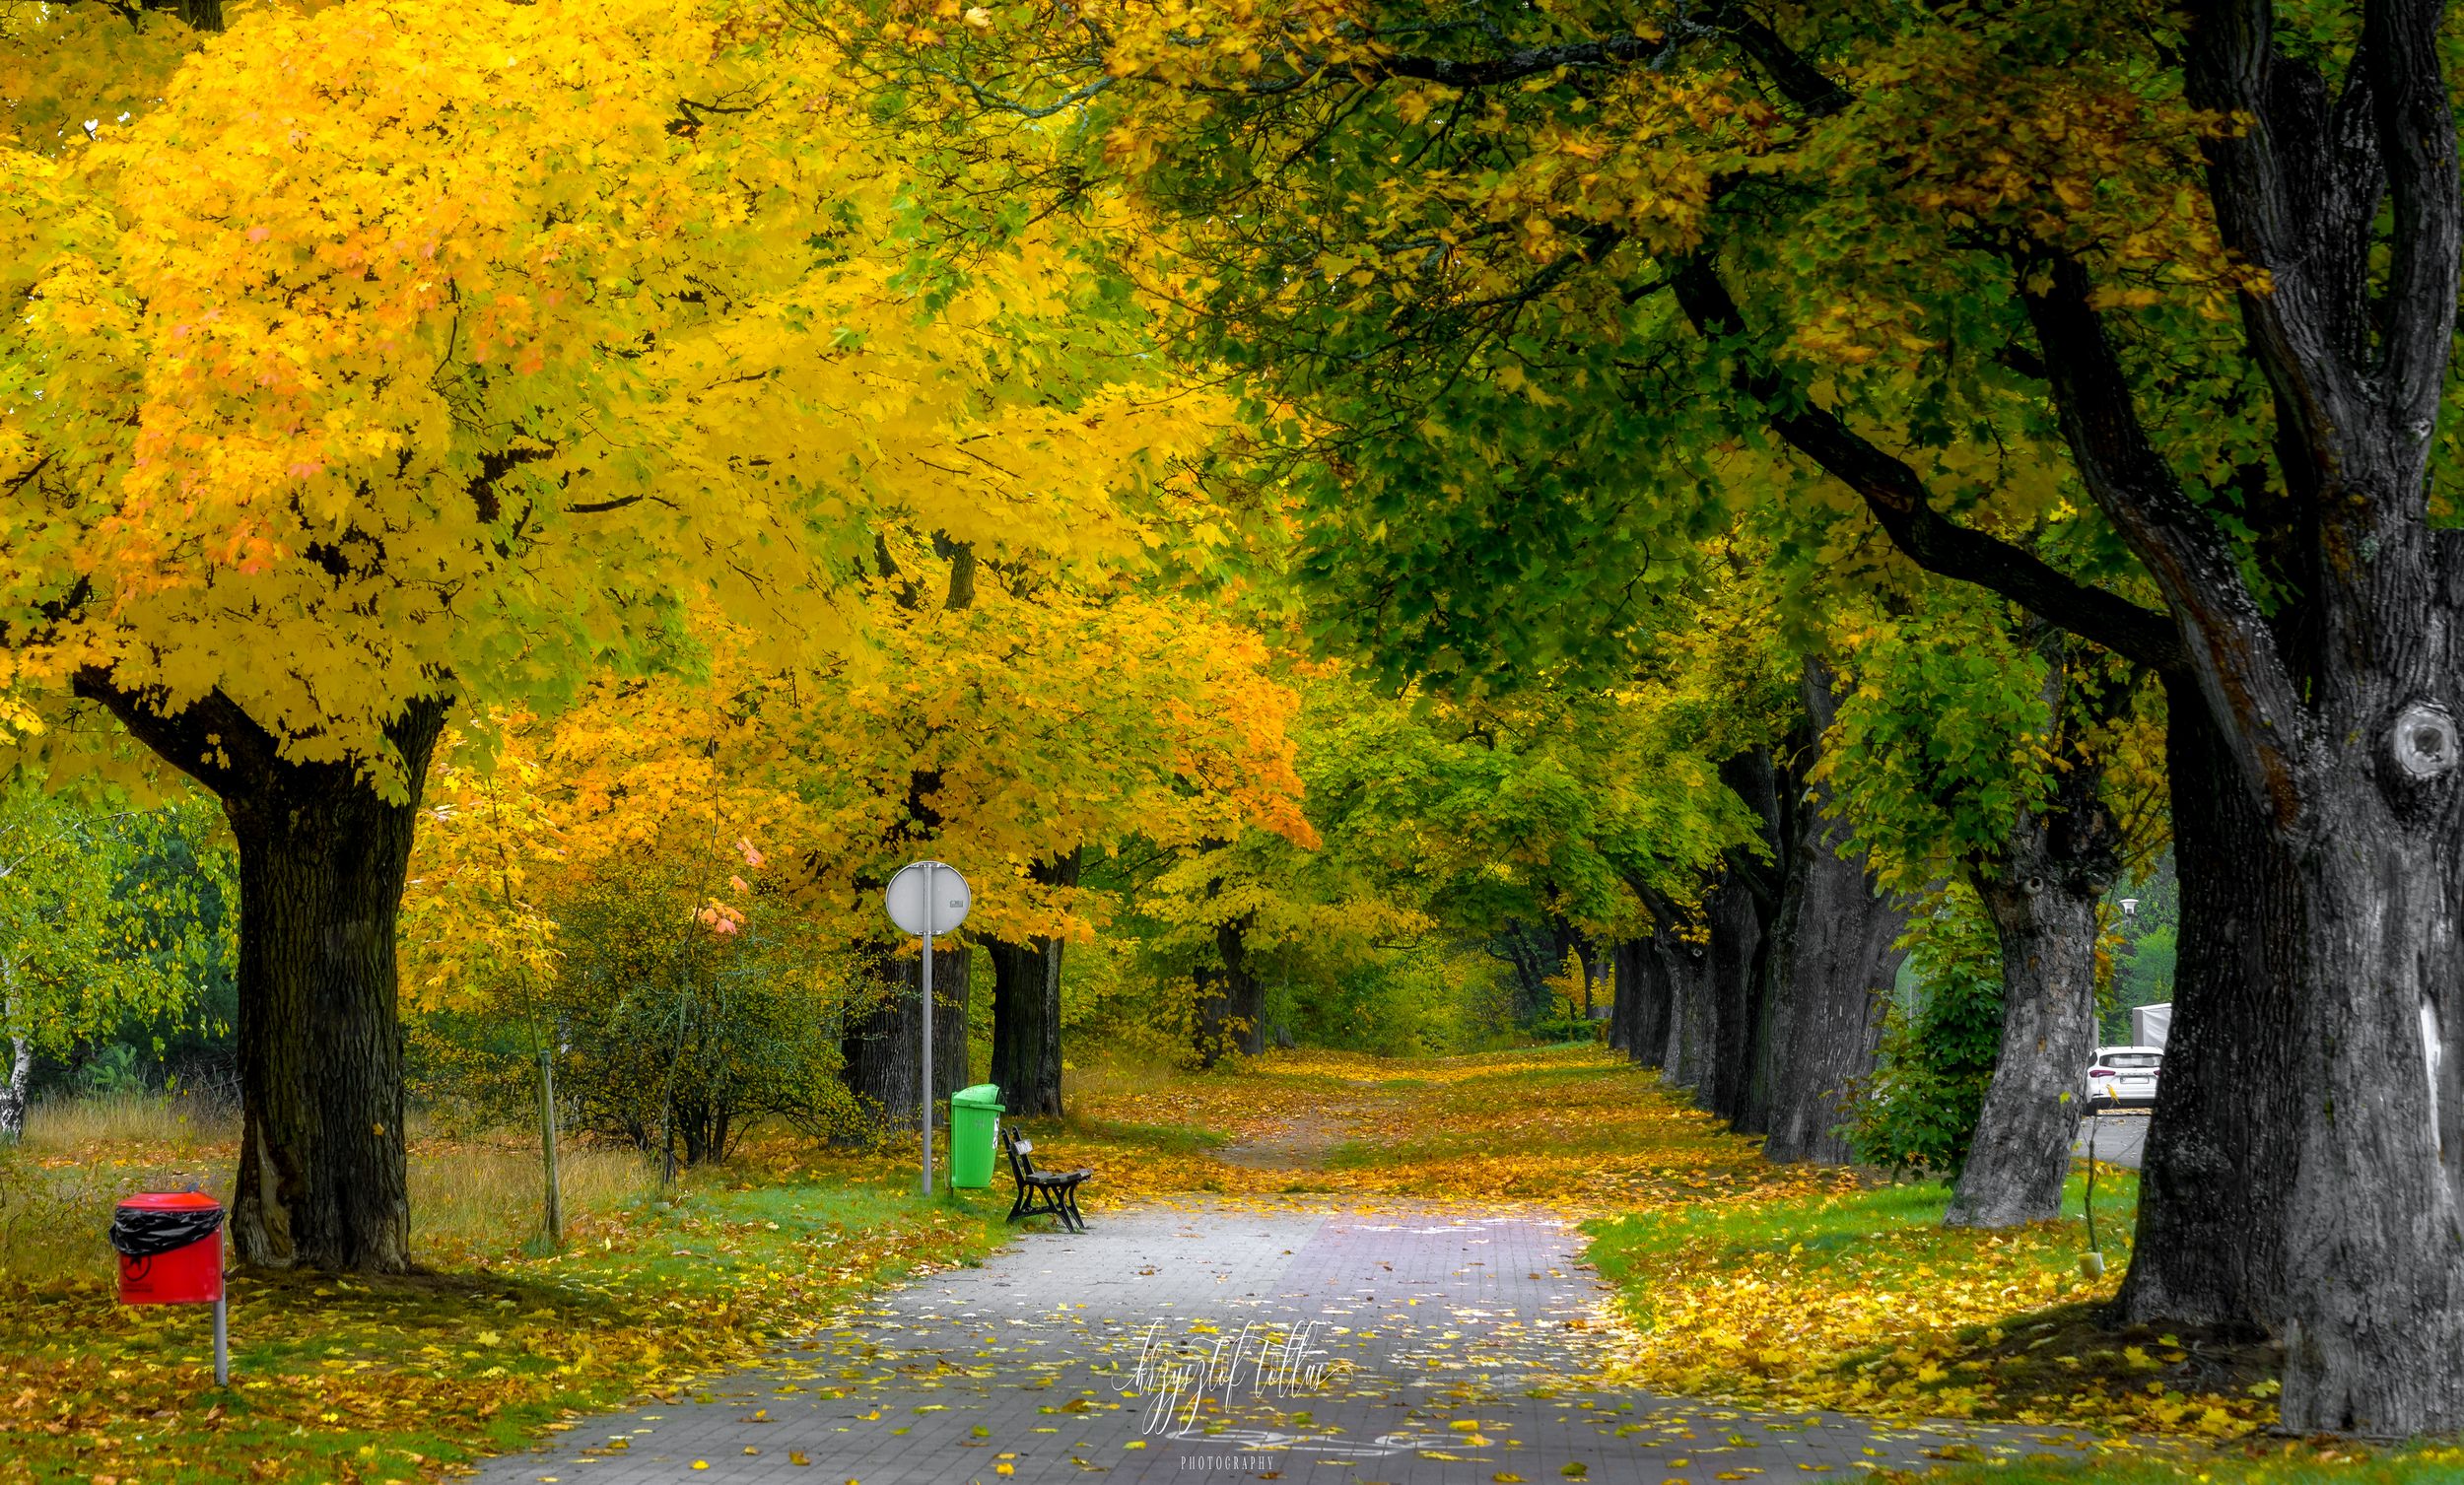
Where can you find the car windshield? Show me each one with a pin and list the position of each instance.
(2135, 1060)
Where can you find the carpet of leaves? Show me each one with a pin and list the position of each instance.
(1784, 1286)
(402, 1378)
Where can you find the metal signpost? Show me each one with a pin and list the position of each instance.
(928, 897)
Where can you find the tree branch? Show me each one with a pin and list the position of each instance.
(1896, 497)
(2224, 637)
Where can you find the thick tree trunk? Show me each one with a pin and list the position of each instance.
(323, 1178)
(1639, 992)
(1730, 1014)
(2222, 1144)
(1741, 912)
(323, 855)
(1684, 1063)
(2044, 914)
(2043, 895)
(1232, 1001)
(1026, 1009)
(1832, 958)
(883, 1047)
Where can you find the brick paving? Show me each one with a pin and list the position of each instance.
(1171, 1342)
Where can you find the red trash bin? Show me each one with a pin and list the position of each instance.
(170, 1248)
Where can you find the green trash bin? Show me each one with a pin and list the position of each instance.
(975, 1127)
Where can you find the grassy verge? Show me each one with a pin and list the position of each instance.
(2254, 1464)
(401, 1379)
(1859, 1299)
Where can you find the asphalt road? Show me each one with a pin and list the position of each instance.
(2119, 1137)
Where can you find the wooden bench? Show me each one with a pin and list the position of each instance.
(1042, 1192)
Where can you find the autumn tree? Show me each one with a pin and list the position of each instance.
(533, 328)
(2003, 755)
(2209, 257)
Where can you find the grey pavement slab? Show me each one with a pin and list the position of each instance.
(1241, 1342)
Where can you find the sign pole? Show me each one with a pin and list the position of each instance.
(916, 906)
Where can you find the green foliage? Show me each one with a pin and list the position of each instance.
(115, 922)
(1919, 1109)
(674, 1024)
(2147, 944)
(1943, 732)
(1426, 997)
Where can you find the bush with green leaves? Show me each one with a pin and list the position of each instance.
(676, 1021)
(1918, 1112)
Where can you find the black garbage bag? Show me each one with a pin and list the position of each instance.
(142, 1233)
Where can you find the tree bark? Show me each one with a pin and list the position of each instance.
(2216, 1172)
(21, 1065)
(323, 855)
(884, 1048)
(2041, 893)
(1833, 957)
(322, 860)
(1635, 988)
(1683, 1062)
(1742, 910)
(1232, 1001)
(1026, 1009)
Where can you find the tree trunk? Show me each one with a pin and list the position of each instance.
(1742, 910)
(13, 1093)
(1232, 1001)
(2221, 1148)
(1633, 984)
(1833, 953)
(322, 1180)
(1594, 968)
(883, 1047)
(2043, 895)
(323, 860)
(2044, 915)
(1026, 1009)
(2374, 1237)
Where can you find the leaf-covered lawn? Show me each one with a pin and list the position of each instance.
(1789, 1287)
(398, 1379)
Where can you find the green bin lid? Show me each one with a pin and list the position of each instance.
(981, 1096)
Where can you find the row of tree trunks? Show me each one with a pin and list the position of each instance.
(1026, 1009)
(883, 1046)
(1775, 1016)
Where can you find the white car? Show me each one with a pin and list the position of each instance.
(2124, 1077)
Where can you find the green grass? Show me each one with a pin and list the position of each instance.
(1829, 1226)
(391, 1378)
(2274, 1464)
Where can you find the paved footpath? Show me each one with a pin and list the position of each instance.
(1399, 1346)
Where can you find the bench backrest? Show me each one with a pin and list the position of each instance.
(1021, 1165)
